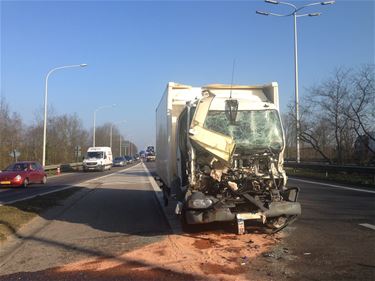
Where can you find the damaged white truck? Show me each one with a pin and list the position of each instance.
(219, 149)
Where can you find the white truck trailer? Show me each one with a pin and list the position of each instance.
(219, 148)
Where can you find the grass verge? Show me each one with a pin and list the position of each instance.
(344, 178)
(15, 215)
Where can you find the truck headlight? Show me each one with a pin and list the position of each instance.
(200, 203)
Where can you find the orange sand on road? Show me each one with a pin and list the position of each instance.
(203, 256)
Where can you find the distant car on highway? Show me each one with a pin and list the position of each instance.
(150, 153)
(129, 159)
(119, 161)
(23, 174)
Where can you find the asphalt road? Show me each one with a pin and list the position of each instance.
(334, 239)
(110, 215)
(54, 183)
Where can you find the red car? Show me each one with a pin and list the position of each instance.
(22, 174)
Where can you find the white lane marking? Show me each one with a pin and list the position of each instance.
(106, 176)
(61, 189)
(335, 186)
(371, 226)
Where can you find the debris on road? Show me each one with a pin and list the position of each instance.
(202, 256)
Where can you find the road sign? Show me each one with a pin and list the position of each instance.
(77, 151)
(15, 153)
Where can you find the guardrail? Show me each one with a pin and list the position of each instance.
(327, 169)
(68, 167)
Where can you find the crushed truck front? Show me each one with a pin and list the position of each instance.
(219, 150)
(234, 158)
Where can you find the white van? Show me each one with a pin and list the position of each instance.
(98, 158)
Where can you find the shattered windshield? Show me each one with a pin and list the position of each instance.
(253, 129)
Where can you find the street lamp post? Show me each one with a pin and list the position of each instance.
(110, 134)
(120, 145)
(295, 15)
(46, 105)
(99, 108)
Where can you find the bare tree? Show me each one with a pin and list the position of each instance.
(362, 106)
(11, 130)
(66, 132)
(331, 101)
(289, 131)
(336, 113)
(102, 135)
(314, 130)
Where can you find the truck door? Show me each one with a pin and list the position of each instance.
(182, 154)
(219, 145)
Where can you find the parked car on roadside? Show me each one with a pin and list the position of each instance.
(23, 174)
(119, 161)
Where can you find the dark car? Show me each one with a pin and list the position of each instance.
(129, 159)
(22, 174)
(119, 162)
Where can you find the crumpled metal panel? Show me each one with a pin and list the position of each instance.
(217, 144)
(221, 146)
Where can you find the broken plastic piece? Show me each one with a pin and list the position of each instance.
(178, 209)
(233, 185)
(241, 226)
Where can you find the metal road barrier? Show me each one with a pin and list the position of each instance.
(326, 168)
(68, 167)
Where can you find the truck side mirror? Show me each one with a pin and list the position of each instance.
(231, 109)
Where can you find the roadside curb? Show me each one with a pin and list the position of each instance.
(168, 211)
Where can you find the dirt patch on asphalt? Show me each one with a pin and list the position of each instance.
(203, 256)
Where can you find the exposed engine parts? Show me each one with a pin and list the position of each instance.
(252, 185)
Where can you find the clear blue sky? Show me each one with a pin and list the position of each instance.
(134, 48)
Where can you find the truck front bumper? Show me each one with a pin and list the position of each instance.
(275, 209)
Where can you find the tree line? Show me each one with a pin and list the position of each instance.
(337, 125)
(64, 134)
(337, 119)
